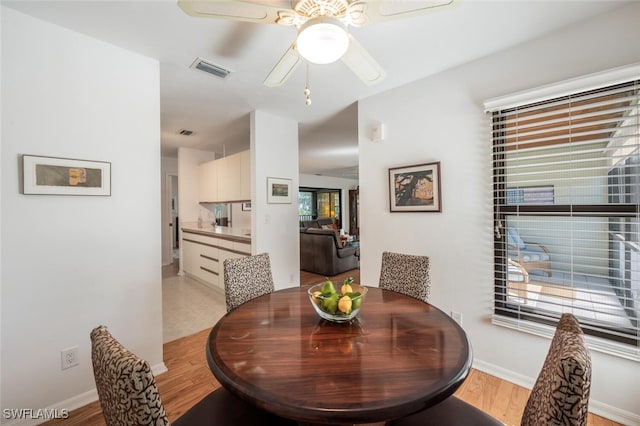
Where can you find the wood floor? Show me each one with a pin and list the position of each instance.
(189, 380)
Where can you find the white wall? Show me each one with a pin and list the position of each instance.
(344, 185)
(168, 167)
(72, 263)
(189, 186)
(240, 218)
(188, 182)
(274, 153)
(1, 221)
(441, 119)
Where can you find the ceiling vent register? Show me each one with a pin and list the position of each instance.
(211, 68)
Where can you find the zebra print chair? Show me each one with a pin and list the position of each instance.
(407, 274)
(129, 395)
(246, 278)
(560, 395)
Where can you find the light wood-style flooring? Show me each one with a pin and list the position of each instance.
(189, 380)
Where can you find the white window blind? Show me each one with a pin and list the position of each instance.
(566, 191)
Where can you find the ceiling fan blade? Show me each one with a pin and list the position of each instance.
(380, 11)
(284, 68)
(362, 63)
(232, 9)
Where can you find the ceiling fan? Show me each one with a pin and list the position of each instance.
(322, 25)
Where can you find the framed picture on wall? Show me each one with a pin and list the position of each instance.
(65, 176)
(246, 206)
(278, 191)
(415, 188)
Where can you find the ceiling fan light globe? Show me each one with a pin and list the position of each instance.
(322, 40)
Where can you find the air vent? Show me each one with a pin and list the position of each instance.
(206, 66)
(185, 132)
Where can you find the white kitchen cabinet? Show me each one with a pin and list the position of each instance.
(245, 175)
(226, 179)
(229, 177)
(201, 259)
(189, 254)
(204, 253)
(208, 181)
(208, 265)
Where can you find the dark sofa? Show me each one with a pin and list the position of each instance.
(322, 252)
(317, 223)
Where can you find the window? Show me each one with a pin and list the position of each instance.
(306, 205)
(566, 195)
(319, 203)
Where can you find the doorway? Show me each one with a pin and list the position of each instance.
(171, 223)
(175, 240)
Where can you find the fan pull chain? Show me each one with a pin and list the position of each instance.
(307, 91)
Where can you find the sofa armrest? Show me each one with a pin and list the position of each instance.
(346, 251)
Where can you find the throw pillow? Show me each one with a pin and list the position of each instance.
(514, 239)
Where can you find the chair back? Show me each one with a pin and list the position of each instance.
(126, 387)
(560, 395)
(246, 278)
(407, 274)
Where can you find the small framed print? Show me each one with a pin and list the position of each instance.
(278, 191)
(415, 188)
(246, 206)
(65, 176)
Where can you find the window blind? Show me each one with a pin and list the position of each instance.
(566, 195)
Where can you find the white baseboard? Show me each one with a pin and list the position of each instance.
(37, 417)
(612, 413)
(159, 369)
(503, 373)
(596, 407)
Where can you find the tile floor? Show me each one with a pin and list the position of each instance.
(187, 305)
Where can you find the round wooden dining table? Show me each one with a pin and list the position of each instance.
(399, 356)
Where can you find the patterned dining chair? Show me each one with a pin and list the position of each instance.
(407, 274)
(560, 395)
(561, 392)
(129, 395)
(246, 278)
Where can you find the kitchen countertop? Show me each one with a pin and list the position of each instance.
(225, 232)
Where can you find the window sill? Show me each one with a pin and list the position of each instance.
(593, 343)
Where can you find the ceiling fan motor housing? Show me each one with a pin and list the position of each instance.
(322, 40)
(316, 8)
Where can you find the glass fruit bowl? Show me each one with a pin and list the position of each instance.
(337, 305)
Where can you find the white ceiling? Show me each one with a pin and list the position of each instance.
(218, 110)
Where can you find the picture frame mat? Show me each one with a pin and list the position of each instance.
(278, 190)
(32, 163)
(415, 188)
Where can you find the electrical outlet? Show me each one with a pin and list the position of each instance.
(457, 317)
(290, 278)
(69, 357)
